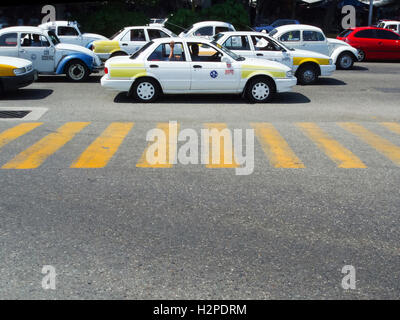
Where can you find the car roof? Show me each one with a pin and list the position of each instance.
(212, 23)
(255, 33)
(22, 29)
(59, 23)
(180, 39)
(390, 21)
(289, 27)
(145, 27)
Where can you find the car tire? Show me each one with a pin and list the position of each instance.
(345, 61)
(145, 90)
(76, 71)
(307, 74)
(260, 90)
(361, 55)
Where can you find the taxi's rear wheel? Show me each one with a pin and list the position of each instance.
(76, 70)
(345, 61)
(307, 74)
(146, 90)
(260, 90)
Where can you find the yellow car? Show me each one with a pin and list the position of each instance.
(15, 73)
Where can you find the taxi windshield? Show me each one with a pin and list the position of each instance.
(53, 37)
(228, 52)
(116, 34)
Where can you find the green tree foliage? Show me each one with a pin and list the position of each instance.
(230, 11)
(108, 19)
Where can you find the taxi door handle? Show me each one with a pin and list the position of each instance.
(22, 50)
(260, 54)
(124, 44)
(153, 66)
(197, 66)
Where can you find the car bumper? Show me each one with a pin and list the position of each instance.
(327, 70)
(13, 83)
(118, 85)
(285, 85)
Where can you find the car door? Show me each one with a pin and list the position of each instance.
(265, 48)
(366, 41)
(390, 44)
(9, 44)
(37, 48)
(133, 40)
(209, 72)
(68, 34)
(315, 41)
(240, 45)
(172, 70)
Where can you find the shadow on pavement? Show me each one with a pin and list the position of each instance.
(330, 82)
(62, 78)
(27, 94)
(359, 68)
(288, 97)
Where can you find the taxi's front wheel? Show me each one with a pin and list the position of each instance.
(260, 90)
(145, 90)
(76, 70)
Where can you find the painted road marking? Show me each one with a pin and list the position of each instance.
(16, 132)
(382, 145)
(167, 147)
(99, 153)
(392, 126)
(343, 157)
(220, 153)
(35, 155)
(275, 147)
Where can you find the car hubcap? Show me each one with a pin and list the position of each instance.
(260, 91)
(76, 71)
(309, 76)
(346, 61)
(145, 91)
(361, 55)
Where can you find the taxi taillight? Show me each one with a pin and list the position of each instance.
(106, 70)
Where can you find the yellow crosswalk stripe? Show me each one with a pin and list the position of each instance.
(343, 157)
(16, 132)
(275, 147)
(99, 153)
(392, 126)
(382, 145)
(160, 153)
(220, 152)
(35, 155)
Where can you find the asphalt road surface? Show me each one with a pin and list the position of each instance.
(77, 195)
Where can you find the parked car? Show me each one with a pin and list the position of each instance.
(306, 65)
(207, 29)
(373, 43)
(389, 24)
(47, 54)
(300, 36)
(15, 73)
(128, 40)
(277, 23)
(68, 32)
(157, 69)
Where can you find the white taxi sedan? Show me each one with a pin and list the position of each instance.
(157, 69)
(306, 65)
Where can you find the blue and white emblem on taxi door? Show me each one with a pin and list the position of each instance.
(213, 74)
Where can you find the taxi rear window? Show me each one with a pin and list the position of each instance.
(137, 53)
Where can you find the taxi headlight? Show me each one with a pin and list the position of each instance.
(289, 74)
(19, 71)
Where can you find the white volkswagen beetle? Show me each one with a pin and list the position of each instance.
(68, 32)
(306, 65)
(301, 36)
(48, 56)
(176, 65)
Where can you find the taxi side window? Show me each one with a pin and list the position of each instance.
(264, 44)
(34, 40)
(203, 52)
(313, 36)
(163, 52)
(8, 40)
(205, 31)
(67, 31)
(291, 36)
(156, 34)
(138, 35)
(237, 43)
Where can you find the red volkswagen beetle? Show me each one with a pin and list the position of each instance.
(373, 43)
